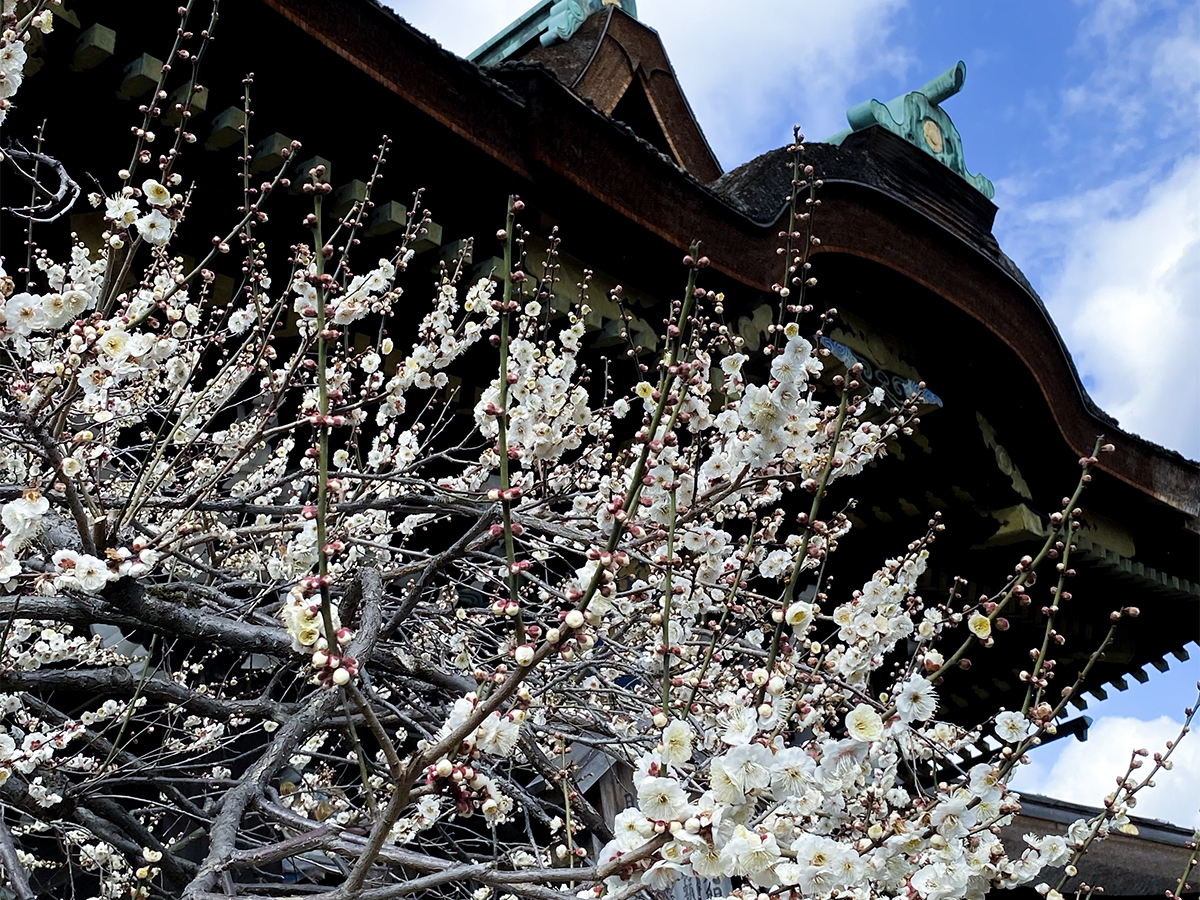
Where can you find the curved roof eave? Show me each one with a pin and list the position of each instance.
(605, 160)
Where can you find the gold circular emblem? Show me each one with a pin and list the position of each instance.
(933, 135)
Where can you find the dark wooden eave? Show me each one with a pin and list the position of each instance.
(882, 201)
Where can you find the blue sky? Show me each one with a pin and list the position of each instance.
(1084, 114)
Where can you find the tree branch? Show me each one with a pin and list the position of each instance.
(18, 878)
(61, 200)
(321, 703)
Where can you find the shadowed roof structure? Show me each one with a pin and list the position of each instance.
(615, 62)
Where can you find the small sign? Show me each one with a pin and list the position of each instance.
(701, 888)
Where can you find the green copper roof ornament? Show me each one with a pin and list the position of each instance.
(548, 22)
(918, 118)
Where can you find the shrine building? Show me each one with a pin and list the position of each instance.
(575, 107)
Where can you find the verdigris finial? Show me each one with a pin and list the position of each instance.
(565, 18)
(947, 84)
(546, 22)
(919, 119)
(567, 15)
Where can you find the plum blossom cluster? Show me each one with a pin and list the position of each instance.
(283, 598)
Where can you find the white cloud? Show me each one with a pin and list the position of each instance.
(1124, 263)
(1149, 58)
(1085, 772)
(744, 68)
(459, 25)
(748, 67)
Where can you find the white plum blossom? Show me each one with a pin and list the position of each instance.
(748, 767)
(677, 742)
(154, 227)
(121, 210)
(82, 571)
(750, 853)
(498, 734)
(23, 517)
(1011, 727)
(916, 700)
(980, 625)
(240, 320)
(952, 818)
(935, 882)
(661, 799)
(156, 194)
(24, 313)
(864, 723)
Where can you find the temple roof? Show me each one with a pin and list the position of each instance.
(547, 22)
(523, 116)
(604, 55)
